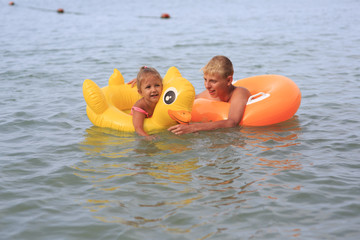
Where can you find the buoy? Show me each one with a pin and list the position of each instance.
(60, 10)
(11, 3)
(165, 15)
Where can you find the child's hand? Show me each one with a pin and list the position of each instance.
(132, 82)
(151, 137)
(182, 129)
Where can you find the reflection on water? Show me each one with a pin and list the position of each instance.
(183, 184)
(272, 140)
(276, 144)
(276, 136)
(280, 165)
(176, 172)
(104, 141)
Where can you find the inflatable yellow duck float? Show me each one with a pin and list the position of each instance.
(109, 107)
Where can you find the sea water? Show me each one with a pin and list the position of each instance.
(63, 178)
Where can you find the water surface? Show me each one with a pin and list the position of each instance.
(62, 178)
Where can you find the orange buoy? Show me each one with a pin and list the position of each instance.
(165, 15)
(60, 10)
(11, 3)
(274, 99)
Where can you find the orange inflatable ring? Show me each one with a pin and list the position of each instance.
(274, 99)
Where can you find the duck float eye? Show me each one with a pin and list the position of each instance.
(170, 95)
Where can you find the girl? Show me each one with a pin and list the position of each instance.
(149, 84)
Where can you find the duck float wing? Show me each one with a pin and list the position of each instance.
(94, 97)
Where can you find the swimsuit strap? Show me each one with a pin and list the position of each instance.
(140, 110)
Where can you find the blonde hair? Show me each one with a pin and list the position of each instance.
(220, 65)
(145, 72)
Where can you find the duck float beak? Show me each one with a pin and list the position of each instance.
(181, 116)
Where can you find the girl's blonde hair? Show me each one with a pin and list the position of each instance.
(220, 65)
(145, 72)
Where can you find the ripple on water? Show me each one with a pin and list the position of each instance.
(62, 178)
(211, 173)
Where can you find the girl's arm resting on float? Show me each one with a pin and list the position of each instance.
(138, 122)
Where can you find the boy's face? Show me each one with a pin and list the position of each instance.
(216, 85)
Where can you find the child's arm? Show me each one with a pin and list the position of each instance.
(138, 122)
(236, 113)
(133, 82)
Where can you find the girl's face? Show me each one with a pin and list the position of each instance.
(151, 89)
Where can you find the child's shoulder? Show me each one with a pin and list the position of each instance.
(240, 93)
(241, 90)
(203, 94)
(139, 103)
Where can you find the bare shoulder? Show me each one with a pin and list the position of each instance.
(139, 103)
(240, 93)
(203, 94)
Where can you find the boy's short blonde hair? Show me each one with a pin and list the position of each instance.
(144, 72)
(220, 65)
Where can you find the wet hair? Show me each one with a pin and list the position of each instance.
(220, 65)
(145, 72)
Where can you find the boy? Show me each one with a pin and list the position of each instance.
(218, 77)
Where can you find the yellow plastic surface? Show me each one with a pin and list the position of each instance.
(109, 106)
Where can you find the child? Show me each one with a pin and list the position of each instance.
(218, 77)
(149, 84)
